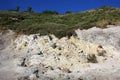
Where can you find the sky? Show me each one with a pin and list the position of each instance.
(58, 5)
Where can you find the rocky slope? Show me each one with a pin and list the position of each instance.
(92, 54)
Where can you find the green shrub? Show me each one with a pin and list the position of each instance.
(49, 12)
(92, 58)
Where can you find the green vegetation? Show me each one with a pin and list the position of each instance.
(92, 58)
(50, 22)
(68, 12)
(17, 8)
(49, 12)
(29, 9)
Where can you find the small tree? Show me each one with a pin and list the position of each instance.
(17, 8)
(29, 9)
(68, 12)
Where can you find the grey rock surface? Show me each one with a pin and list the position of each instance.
(109, 36)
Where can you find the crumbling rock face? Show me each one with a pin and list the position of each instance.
(107, 37)
(5, 38)
(91, 55)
